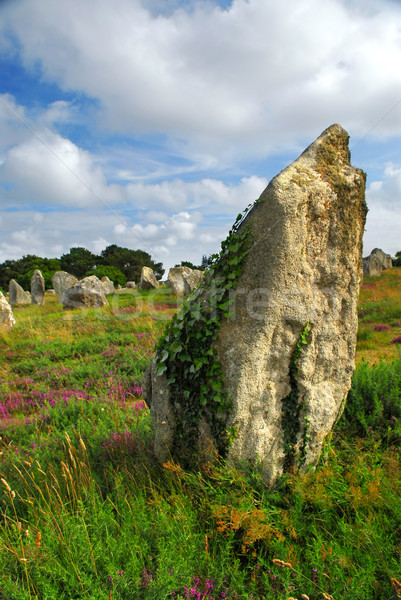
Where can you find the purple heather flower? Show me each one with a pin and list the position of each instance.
(381, 327)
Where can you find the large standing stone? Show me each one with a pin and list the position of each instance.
(376, 262)
(108, 285)
(16, 294)
(87, 293)
(6, 314)
(148, 279)
(37, 288)
(183, 280)
(61, 281)
(300, 283)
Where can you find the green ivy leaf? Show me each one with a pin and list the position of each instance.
(161, 369)
(163, 356)
(175, 347)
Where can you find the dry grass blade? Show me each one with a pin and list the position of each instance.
(397, 586)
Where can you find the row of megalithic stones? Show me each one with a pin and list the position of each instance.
(63, 281)
(89, 292)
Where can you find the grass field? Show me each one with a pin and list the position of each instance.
(87, 512)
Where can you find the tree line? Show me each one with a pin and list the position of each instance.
(117, 263)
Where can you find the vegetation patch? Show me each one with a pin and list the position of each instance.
(186, 353)
(294, 410)
(86, 511)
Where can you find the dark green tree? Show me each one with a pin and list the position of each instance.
(22, 270)
(130, 262)
(397, 259)
(206, 262)
(8, 270)
(78, 261)
(187, 263)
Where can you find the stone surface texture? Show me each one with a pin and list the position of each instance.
(376, 262)
(148, 279)
(131, 285)
(6, 314)
(87, 293)
(61, 281)
(108, 285)
(16, 294)
(303, 269)
(37, 288)
(183, 280)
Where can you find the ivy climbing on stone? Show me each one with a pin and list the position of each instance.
(186, 355)
(293, 408)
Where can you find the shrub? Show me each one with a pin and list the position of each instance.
(374, 401)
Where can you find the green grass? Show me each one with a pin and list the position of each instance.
(86, 511)
(380, 304)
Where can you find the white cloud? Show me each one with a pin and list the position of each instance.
(212, 195)
(383, 224)
(12, 128)
(200, 95)
(98, 245)
(48, 169)
(260, 73)
(388, 191)
(57, 112)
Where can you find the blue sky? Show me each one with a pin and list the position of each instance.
(152, 123)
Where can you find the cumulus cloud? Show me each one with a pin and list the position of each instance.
(384, 217)
(212, 195)
(299, 66)
(189, 98)
(201, 220)
(49, 169)
(387, 192)
(12, 128)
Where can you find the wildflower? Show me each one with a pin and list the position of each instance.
(381, 327)
(146, 578)
(396, 340)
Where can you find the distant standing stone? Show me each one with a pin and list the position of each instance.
(62, 281)
(148, 279)
(87, 293)
(131, 285)
(16, 294)
(298, 289)
(376, 262)
(37, 288)
(6, 314)
(108, 285)
(183, 280)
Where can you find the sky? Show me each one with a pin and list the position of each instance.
(151, 123)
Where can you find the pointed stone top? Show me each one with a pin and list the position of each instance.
(331, 147)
